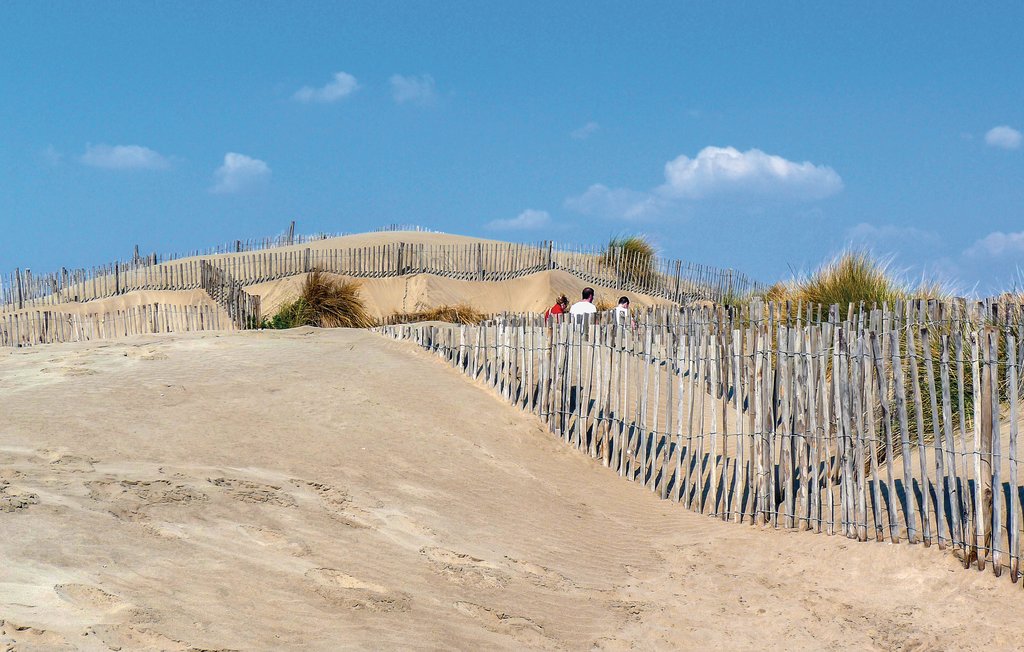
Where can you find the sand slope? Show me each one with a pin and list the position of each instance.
(386, 296)
(335, 490)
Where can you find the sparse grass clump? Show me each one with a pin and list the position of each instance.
(603, 304)
(460, 313)
(326, 303)
(631, 257)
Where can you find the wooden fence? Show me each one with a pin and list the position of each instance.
(242, 307)
(896, 425)
(670, 279)
(51, 326)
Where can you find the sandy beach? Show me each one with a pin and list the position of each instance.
(335, 490)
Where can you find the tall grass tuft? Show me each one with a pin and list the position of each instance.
(631, 257)
(852, 277)
(326, 303)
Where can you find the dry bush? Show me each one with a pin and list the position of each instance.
(604, 304)
(460, 313)
(326, 303)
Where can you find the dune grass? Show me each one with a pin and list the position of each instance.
(324, 302)
(632, 257)
(460, 313)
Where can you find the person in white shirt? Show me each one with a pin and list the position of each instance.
(586, 305)
(622, 311)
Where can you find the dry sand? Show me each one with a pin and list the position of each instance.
(386, 296)
(333, 490)
(130, 300)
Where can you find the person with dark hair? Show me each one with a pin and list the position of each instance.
(622, 310)
(586, 305)
(561, 307)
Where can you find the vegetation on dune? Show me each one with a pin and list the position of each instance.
(602, 304)
(324, 302)
(631, 257)
(854, 276)
(460, 313)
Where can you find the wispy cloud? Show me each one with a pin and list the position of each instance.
(586, 131)
(1003, 137)
(238, 173)
(728, 171)
(715, 173)
(527, 220)
(888, 235)
(412, 89)
(341, 85)
(997, 245)
(123, 157)
(616, 203)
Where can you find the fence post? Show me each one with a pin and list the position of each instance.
(305, 261)
(21, 296)
(551, 258)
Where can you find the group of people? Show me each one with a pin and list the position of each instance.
(585, 306)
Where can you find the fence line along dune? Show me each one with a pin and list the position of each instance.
(380, 255)
(803, 422)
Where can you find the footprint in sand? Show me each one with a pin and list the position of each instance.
(90, 597)
(129, 637)
(13, 499)
(337, 503)
(540, 575)
(70, 372)
(253, 492)
(519, 628)
(464, 569)
(24, 637)
(63, 459)
(275, 540)
(343, 590)
(129, 498)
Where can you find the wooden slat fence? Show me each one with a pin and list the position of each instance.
(242, 307)
(897, 425)
(670, 279)
(50, 326)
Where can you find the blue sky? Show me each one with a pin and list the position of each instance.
(764, 137)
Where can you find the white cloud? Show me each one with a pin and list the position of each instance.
(1004, 137)
(527, 220)
(586, 131)
(997, 244)
(419, 90)
(890, 235)
(238, 173)
(716, 172)
(341, 85)
(726, 170)
(616, 203)
(123, 157)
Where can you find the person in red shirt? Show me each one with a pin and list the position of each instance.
(561, 307)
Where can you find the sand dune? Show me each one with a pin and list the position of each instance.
(386, 296)
(303, 490)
